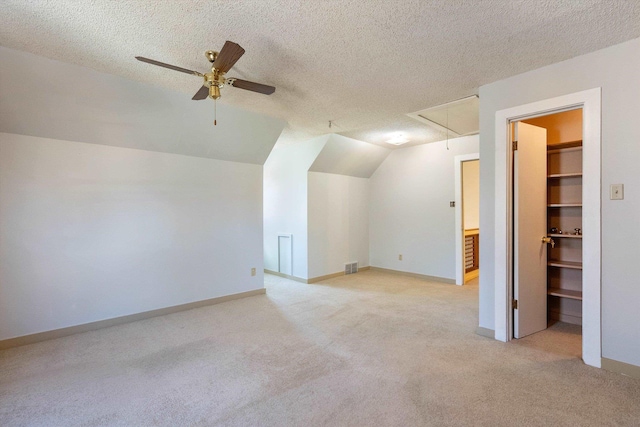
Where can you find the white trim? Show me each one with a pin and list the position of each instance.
(457, 162)
(590, 102)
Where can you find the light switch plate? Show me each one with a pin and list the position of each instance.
(617, 191)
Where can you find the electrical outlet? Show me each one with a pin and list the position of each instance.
(253, 271)
(617, 192)
(400, 257)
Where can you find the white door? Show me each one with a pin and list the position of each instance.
(285, 254)
(530, 226)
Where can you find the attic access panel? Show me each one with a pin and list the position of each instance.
(459, 118)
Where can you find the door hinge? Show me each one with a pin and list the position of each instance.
(514, 304)
(514, 145)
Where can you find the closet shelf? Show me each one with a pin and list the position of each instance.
(565, 293)
(565, 264)
(565, 175)
(565, 146)
(565, 205)
(566, 236)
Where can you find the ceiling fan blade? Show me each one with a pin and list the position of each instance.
(201, 94)
(169, 66)
(254, 87)
(228, 56)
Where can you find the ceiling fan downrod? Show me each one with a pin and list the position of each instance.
(214, 80)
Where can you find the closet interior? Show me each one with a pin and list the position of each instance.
(564, 214)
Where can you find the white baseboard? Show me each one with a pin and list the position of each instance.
(86, 327)
(331, 276)
(313, 279)
(627, 369)
(416, 275)
(286, 276)
(486, 332)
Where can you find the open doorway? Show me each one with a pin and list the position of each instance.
(467, 204)
(547, 227)
(517, 306)
(471, 218)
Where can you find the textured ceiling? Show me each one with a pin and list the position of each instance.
(363, 64)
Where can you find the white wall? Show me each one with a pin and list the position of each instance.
(409, 212)
(338, 222)
(471, 194)
(90, 232)
(615, 70)
(285, 201)
(317, 191)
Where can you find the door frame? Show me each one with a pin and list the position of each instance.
(590, 102)
(458, 160)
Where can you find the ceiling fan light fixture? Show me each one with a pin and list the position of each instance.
(214, 91)
(398, 139)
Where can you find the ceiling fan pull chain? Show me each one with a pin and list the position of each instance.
(215, 112)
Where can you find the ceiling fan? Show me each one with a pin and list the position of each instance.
(221, 63)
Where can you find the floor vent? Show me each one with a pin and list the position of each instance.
(351, 268)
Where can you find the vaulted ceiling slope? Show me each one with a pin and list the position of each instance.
(346, 156)
(52, 99)
(363, 64)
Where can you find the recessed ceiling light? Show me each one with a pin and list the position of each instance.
(398, 139)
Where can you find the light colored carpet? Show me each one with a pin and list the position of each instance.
(365, 349)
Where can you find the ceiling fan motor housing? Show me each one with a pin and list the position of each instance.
(214, 81)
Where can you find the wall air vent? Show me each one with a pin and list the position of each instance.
(457, 118)
(351, 268)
